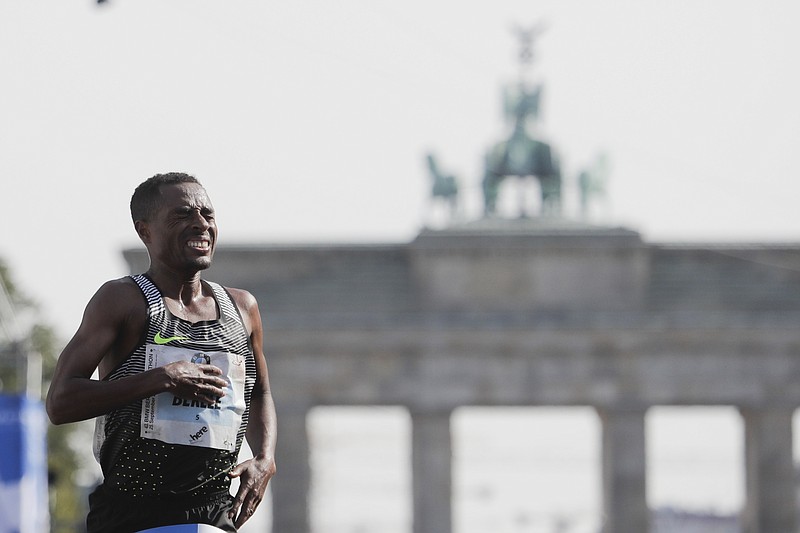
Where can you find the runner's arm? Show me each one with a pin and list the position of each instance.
(113, 317)
(262, 427)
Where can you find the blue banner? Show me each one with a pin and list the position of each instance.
(23, 466)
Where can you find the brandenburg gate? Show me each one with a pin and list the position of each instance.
(530, 313)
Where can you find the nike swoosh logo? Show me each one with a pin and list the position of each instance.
(158, 339)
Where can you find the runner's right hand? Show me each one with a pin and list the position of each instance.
(192, 381)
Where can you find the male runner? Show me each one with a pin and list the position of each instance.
(183, 378)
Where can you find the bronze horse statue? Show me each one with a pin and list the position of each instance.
(523, 156)
(444, 186)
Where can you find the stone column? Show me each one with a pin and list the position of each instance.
(291, 484)
(769, 468)
(624, 471)
(431, 455)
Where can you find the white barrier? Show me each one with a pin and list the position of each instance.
(184, 528)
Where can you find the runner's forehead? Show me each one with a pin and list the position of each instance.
(183, 195)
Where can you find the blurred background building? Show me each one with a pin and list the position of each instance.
(533, 312)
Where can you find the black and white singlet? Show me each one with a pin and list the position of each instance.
(167, 447)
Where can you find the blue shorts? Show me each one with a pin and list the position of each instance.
(111, 512)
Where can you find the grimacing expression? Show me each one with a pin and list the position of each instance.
(183, 231)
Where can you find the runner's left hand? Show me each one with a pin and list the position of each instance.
(254, 474)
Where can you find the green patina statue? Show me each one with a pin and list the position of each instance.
(521, 154)
(444, 186)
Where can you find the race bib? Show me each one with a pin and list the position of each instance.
(173, 420)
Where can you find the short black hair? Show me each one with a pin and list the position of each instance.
(144, 201)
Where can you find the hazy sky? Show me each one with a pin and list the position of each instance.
(309, 121)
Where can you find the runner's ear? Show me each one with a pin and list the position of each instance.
(143, 230)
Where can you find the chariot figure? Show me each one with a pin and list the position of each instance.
(522, 154)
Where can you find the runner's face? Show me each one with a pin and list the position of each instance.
(183, 232)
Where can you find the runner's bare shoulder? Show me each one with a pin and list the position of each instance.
(117, 300)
